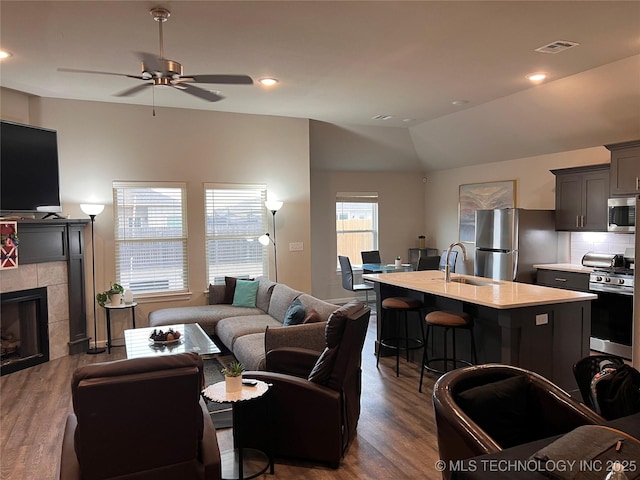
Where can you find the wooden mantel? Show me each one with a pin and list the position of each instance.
(56, 240)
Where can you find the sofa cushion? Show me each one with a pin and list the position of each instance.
(265, 290)
(229, 330)
(324, 309)
(295, 314)
(245, 293)
(207, 316)
(249, 350)
(281, 298)
(502, 409)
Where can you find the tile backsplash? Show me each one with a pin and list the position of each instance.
(598, 242)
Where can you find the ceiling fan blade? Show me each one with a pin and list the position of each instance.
(75, 70)
(220, 79)
(134, 90)
(199, 92)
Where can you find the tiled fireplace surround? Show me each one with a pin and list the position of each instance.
(53, 276)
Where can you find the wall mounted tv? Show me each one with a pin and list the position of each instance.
(29, 172)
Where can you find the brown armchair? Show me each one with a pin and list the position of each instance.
(140, 419)
(484, 409)
(314, 404)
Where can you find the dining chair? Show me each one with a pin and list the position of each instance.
(371, 256)
(347, 278)
(431, 262)
(452, 260)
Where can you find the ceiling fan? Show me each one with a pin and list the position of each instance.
(162, 71)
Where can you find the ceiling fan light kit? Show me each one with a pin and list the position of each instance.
(160, 71)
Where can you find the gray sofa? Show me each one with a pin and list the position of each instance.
(250, 332)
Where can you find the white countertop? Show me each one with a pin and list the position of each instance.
(498, 294)
(565, 267)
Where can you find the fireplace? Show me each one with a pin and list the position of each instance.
(24, 329)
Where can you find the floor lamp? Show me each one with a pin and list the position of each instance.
(273, 206)
(92, 210)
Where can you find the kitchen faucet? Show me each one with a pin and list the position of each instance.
(447, 268)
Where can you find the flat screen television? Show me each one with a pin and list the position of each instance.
(29, 171)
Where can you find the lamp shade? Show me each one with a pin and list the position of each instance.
(273, 205)
(264, 239)
(91, 208)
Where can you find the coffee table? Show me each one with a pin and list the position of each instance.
(193, 339)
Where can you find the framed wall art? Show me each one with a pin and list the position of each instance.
(482, 196)
(8, 245)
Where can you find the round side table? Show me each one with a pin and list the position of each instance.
(240, 463)
(123, 306)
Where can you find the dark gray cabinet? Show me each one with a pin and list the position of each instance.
(562, 279)
(625, 168)
(581, 198)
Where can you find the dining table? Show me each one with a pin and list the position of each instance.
(385, 267)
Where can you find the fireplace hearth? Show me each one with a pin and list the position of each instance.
(24, 330)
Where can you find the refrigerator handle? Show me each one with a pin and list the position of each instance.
(515, 265)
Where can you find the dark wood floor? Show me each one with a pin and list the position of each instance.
(396, 432)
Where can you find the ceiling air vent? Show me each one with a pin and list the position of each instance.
(556, 47)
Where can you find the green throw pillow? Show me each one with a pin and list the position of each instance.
(245, 294)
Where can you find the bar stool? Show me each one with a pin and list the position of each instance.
(400, 306)
(448, 320)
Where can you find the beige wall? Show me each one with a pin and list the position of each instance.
(101, 142)
(400, 217)
(535, 189)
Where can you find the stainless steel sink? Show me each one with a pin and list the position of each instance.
(474, 282)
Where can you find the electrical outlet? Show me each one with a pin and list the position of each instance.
(296, 246)
(542, 319)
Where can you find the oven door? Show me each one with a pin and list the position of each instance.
(612, 323)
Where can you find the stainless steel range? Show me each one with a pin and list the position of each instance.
(612, 280)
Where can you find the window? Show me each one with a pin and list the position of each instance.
(356, 224)
(235, 216)
(151, 237)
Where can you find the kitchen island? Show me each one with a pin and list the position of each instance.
(542, 329)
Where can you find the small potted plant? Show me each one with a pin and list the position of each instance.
(233, 376)
(114, 294)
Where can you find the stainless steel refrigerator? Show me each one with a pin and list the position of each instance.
(509, 241)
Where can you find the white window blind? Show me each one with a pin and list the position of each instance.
(151, 236)
(356, 224)
(235, 216)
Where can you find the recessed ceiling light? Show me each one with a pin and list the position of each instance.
(537, 77)
(268, 81)
(4, 54)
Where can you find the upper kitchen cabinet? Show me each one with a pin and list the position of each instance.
(581, 198)
(625, 168)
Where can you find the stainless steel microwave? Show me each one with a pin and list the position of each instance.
(622, 214)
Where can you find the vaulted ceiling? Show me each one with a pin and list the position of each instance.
(340, 63)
